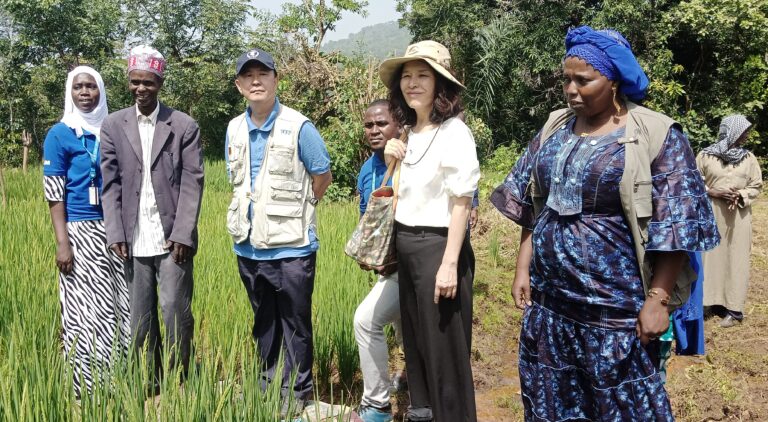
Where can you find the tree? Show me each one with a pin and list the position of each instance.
(451, 22)
(331, 89)
(705, 58)
(200, 39)
(40, 42)
(725, 72)
(69, 30)
(309, 21)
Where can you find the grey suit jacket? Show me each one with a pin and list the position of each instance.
(177, 174)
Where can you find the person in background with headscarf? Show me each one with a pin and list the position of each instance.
(94, 299)
(610, 202)
(734, 180)
(152, 162)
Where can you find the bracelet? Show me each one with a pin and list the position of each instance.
(656, 292)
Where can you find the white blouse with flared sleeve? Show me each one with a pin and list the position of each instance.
(439, 165)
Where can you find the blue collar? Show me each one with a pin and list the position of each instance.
(268, 124)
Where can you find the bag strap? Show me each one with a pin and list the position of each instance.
(393, 171)
(394, 165)
(396, 185)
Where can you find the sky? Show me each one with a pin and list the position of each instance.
(378, 11)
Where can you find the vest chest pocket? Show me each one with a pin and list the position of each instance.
(642, 199)
(236, 154)
(280, 160)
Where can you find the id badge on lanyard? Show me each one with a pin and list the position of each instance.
(93, 195)
(93, 190)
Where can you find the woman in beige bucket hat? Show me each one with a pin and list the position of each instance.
(438, 176)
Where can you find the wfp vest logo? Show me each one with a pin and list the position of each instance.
(285, 131)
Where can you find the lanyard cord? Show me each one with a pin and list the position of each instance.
(373, 178)
(93, 155)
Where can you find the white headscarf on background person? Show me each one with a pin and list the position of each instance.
(73, 116)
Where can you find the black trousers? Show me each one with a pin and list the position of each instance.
(437, 338)
(280, 292)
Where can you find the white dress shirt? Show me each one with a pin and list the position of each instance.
(438, 167)
(148, 236)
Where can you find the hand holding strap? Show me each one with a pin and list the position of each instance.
(393, 170)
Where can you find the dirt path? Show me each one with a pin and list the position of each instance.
(729, 383)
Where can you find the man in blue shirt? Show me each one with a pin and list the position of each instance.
(382, 305)
(280, 168)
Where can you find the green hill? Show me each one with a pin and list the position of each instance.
(380, 41)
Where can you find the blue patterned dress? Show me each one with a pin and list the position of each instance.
(580, 358)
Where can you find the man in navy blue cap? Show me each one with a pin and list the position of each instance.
(279, 168)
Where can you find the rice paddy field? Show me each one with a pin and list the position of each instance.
(730, 383)
(36, 385)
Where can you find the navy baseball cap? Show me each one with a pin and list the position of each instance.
(255, 55)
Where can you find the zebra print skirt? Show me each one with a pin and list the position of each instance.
(94, 306)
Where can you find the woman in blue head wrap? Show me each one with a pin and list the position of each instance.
(610, 202)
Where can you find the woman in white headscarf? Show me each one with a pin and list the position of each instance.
(733, 178)
(94, 298)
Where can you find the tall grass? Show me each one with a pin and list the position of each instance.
(224, 383)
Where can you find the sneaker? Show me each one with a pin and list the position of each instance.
(292, 408)
(372, 414)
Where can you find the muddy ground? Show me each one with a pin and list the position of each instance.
(729, 383)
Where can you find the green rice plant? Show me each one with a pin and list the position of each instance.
(223, 384)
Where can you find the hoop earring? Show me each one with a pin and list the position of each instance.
(616, 102)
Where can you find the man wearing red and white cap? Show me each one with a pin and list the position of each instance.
(152, 165)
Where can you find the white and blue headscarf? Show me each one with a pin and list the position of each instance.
(79, 120)
(610, 54)
(731, 129)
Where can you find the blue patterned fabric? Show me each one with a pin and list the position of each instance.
(579, 355)
(574, 371)
(567, 173)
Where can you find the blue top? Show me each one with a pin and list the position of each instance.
(371, 174)
(588, 257)
(64, 155)
(314, 155)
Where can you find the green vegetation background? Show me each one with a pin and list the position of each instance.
(36, 382)
(705, 59)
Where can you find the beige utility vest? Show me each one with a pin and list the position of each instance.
(281, 199)
(644, 136)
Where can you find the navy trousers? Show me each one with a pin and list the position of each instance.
(280, 292)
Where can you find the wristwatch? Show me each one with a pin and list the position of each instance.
(313, 201)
